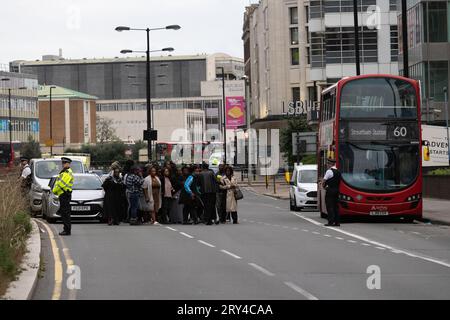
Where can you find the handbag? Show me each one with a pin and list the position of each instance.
(238, 195)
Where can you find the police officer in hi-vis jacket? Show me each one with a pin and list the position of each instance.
(63, 189)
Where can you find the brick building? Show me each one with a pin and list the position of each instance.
(73, 116)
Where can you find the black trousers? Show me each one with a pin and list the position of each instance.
(166, 206)
(331, 201)
(222, 207)
(189, 209)
(64, 210)
(209, 200)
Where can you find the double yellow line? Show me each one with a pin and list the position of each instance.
(58, 266)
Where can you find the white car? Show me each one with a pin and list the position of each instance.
(303, 189)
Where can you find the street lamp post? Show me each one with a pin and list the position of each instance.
(51, 120)
(148, 89)
(224, 116)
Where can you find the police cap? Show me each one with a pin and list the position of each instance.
(66, 160)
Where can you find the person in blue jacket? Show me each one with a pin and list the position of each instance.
(190, 196)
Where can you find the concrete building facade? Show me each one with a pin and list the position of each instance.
(176, 84)
(293, 48)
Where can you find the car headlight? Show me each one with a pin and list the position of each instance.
(302, 190)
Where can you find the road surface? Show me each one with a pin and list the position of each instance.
(272, 254)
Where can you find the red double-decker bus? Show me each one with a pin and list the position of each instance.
(371, 126)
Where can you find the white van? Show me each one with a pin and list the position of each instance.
(303, 189)
(42, 170)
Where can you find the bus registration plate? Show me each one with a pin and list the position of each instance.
(378, 213)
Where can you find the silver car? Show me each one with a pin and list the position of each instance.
(42, 170)
(87, 199)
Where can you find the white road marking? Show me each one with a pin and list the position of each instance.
(304, 230)
(376, 243)
(251, 221)
(351, 241)
(186, 235)
(339, 238)
(285, 227)
(327, 235)
(231, 254)
(416, 233)
(265, 271)
(171, 229)
(206, 243)
(294, 228)
(365, 244)
(315, 232)
(303, 292)
(42, 230)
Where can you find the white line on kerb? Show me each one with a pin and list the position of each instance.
(304, 293)
(171, 229)
(206, 243)
(231, 254)
(265, 271)
(378, 244)
(380, 248)
(186, 235)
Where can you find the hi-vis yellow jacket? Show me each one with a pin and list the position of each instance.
(64, 183)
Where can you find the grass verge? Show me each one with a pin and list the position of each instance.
(15, 227)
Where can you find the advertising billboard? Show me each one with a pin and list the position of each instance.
(235, 112)
(436, 138)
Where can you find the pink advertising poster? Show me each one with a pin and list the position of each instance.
(235, 111)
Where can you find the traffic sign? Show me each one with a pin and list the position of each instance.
(49, 143)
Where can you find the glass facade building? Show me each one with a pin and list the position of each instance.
(428, 52)
(24, 107)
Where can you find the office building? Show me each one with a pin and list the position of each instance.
(119, 83)
(294, 48)
(429, 53)
(24, 107)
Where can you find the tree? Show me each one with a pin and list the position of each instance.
(30, 149)
(138, 145)
(105, 131)
(297, 124)
(103, 154)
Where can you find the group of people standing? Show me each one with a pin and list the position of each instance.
(161, 195)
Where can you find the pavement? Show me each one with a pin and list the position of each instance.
(272, 253)
(23, 287)
(435, 210)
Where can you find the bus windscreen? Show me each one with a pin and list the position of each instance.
(387, 98)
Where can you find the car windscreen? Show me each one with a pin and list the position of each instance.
(48, 169)
(87, 183)
(307, 176)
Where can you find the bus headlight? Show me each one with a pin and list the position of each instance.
(415, 197)
(344, 197)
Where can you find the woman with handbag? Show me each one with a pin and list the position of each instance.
(229, 183)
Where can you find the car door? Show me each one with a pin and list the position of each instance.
(46, 195)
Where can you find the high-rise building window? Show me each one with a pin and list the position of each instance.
(295, 94)
(393, 5)
(394, 43)
(340, 45)
(293, 15)
(317, 50)
(294, 36)
(295, 56)
(436, 77)
(347, 5)
(435, 21)
(315, 9)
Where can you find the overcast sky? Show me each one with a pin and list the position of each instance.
(85, 28)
